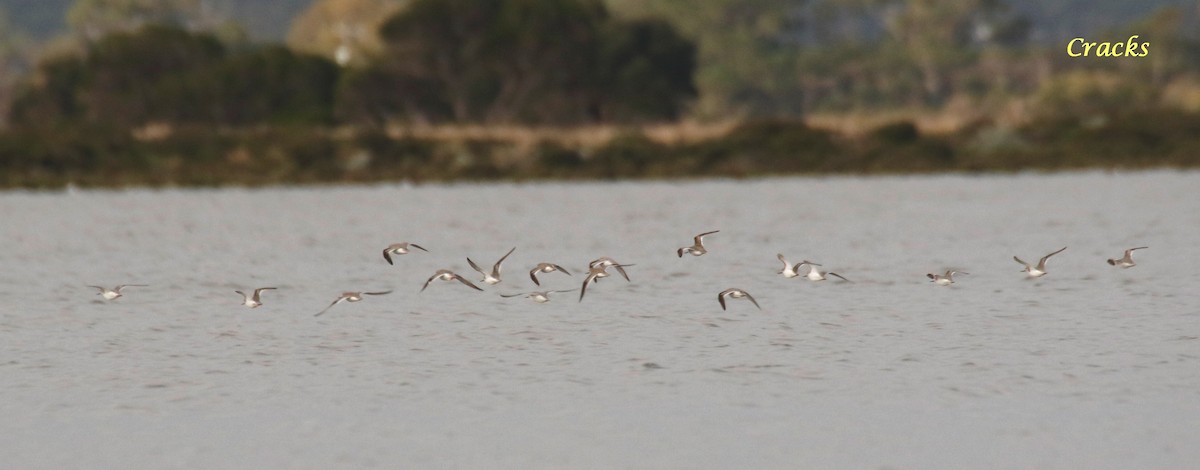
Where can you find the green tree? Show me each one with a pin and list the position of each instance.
(1176, 47)
(644, 72)
(162, 74)
(492, 56)
(271, 84)
(444, 42)
(936, 36)
(124, 68)
(15, 50)
(746, 50)
(50, 95)
(788, 57)
(379, 94)
(560, 61)
(113, 80)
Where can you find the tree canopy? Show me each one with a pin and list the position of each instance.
(537, 61)
(577, 61)
(163, 74)
(15, 48)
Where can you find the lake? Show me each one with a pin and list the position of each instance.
(1090, 366)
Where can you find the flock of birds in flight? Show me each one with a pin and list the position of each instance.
(598, 269)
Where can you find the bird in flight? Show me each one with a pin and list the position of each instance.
(110, 294)
(350, 297)
(1040, 269)
(697, 248)
(253, 301)
(1126, 261)
(399, 249)
(494, 276)
(735, 294)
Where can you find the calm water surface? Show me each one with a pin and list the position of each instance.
(1089, 367)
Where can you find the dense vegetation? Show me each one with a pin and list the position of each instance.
(169, 92)
(535, 62)
(101, 155)
(167, 75)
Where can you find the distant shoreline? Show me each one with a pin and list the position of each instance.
(157, 156)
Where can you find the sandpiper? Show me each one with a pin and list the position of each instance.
(110, 294)
(494, 276)
(351, 297)
(788, 270)
(698, 248)
(545, 268)
(943, 279)
(1040, 269)
(605, 261)
(541, 296)
(735, 294)
(1127, 261)
(448, 275)
(253, 301)
(815, 274)
(595, 273)
(399, 249)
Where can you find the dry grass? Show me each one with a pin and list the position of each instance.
(524, 138)
(1183, 94)
(685, 132)
(579, 137)
(948, 120)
